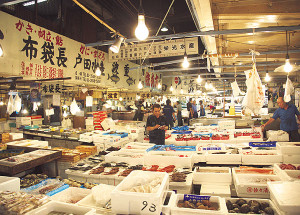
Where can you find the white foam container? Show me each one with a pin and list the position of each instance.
(245, 188)
(166, 158)
(124, 202)
(257, 159)
(272, 205)
(166, 209)
(286, 195)
(179, 211)
(113, 157)
(197, 157)
(288, 148)
(223, 158)
(212, 178)
(215, 190)
(291, 158)
(71, 193)
(62, 207)
(182, 187)
(9, 184)
(289, 175)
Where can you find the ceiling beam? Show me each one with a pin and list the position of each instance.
(203, 33)
(10, 2)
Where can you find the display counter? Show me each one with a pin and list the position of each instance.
(123, 115)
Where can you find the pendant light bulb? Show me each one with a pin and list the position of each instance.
(141, 31)
(171, 88)
(115, 48)
(210, 86)
(206, 85)
(181, 91)
(98, 71)
(199, 79)
(267, 78)
(159, 86)
(288, 67)
(121, 99)
(185, 63)
(24, 111)
(140, 85)
(1, 103)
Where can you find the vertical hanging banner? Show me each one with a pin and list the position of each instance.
(31, 51)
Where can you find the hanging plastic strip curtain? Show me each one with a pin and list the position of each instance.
(254, 98)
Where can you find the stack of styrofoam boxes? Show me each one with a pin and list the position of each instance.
(37, 120)
(23, 121)
(214, 181)
(98, 118)
(136, 134)
(15, 136)
(125, 202)
(127, 157)
(285, 196)
(290, 152)
(280, 136)
(86, 137)
(89, 123)
(9, 184)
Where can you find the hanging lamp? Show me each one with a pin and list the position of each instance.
(141, 31)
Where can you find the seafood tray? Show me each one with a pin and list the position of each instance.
(290, 172)
(215, 175)
(215, 190)
(62, 208)
(254, 186)
(261, 157)
(197, 204)
(171, 148)
(177, 158)
(285, 196)
(127, 157)
(125, 201)
(10, 152)
(72, 195)
(289, 148)
(255, 206)
(184, 186)
(222, 157)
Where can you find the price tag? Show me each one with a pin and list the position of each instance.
(148, 207)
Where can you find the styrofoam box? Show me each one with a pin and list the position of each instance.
(113, 157)
(226, 124)
(183, 187)
(78, 176)
(90, 202)
(220, 201)
(289, 175)
(286, 196)
(166, 209)
(262, 159)
(124, 202)
(291, 158)
(197, 157)
(166, 158)
(211, 177)
(223, 158)
(272, 205)
(200, 146)
(16, 136)
(9, 184)
(25, 120)
(288, 148)
(278, 135)
(215, 190)
(62, 207)
(246, 186)
(71, 194)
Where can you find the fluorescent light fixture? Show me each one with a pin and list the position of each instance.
(98, 71)
(288, 67)
(115, 48)
(141, 31)
(32, 3)
(185, 63)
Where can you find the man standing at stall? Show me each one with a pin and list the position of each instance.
(286, 113)
(190, 110)
(179, 114)
(156, 125)
(169, 112)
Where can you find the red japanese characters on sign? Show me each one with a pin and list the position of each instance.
(40, 71)
(257, 190)
(147, 79)
(96, 54)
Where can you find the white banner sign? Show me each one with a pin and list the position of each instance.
(158, 49)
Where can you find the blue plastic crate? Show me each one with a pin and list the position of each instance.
(181, 132)
(124, 134)
(171, 148)
(263, 144)
(181, 128)
(53, 192)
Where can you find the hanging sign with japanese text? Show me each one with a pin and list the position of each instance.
(165, 48)
(51, 88)
(31, 51)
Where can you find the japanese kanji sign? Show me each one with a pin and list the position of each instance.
(157, 49)
(51, 88)
(31, 51)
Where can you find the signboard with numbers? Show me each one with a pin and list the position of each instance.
(31, 51)
(166, 48)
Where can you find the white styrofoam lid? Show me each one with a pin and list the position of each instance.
(213, 188)
(286, 193)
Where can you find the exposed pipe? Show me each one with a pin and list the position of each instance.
(202, 33)
(214, 67)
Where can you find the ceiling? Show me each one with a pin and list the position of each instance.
(186, 16)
